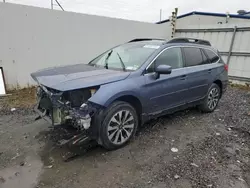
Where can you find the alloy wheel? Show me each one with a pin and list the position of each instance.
(120, 127)
(213, 98)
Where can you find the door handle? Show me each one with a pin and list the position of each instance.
(209, 70)
(183, 77)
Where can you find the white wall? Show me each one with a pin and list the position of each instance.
(33, 38)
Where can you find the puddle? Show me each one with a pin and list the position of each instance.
(25, 176)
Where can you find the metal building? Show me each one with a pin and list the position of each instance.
(205, 18)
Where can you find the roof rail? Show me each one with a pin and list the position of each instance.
(145, 39)
(190, 40)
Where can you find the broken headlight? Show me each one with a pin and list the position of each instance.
(80, 96)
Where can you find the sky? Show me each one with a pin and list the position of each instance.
(142, 10)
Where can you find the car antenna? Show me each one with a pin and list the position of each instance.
(122, 63)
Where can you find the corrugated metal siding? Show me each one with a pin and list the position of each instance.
(239, 66)
(242, 41)
(220, 40)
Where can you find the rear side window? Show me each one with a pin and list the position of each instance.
(213, 57)
(193, 56)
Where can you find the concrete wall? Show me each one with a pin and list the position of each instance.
(33, 38)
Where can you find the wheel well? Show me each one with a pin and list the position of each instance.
(133, 101)
(219, 83)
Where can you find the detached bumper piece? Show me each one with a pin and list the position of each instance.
(75, 140)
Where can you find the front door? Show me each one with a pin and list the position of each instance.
(168, 90)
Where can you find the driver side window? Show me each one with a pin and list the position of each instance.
(171, 57)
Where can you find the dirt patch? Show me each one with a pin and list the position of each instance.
(22, 98)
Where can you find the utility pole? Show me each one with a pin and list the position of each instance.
(51, 2)
(160, 13)
(173, 21)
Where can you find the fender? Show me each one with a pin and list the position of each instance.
(121, 94)
(108, 93)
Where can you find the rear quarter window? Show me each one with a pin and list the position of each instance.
(213, 57)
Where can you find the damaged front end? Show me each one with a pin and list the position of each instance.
(69, 107)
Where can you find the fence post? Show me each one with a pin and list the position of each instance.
(231, 45)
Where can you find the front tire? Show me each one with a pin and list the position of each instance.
(212, 99)
(118, 126)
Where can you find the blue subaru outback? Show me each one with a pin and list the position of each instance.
(108, 98)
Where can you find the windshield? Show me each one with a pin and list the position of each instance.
(129, 56)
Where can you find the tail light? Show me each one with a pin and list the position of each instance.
(226, 67)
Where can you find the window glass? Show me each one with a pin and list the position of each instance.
(204, 57)
(132, 55)
(212, 56)
(171, 57)
(193, 56)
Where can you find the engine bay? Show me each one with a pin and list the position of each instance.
(70, 107)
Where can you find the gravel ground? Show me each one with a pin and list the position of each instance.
(186, 149)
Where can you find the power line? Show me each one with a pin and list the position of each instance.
(57, 3)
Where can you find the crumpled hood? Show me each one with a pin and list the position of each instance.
(76, 76)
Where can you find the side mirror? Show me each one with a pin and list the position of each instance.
(162, 69)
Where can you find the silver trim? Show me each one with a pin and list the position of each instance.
(181, 47)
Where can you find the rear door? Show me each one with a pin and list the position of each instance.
(198, 72)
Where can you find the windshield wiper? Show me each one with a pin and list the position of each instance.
(122, 63)
(106, 60)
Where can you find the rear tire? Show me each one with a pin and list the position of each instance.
(119, 125)
(212, 99)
